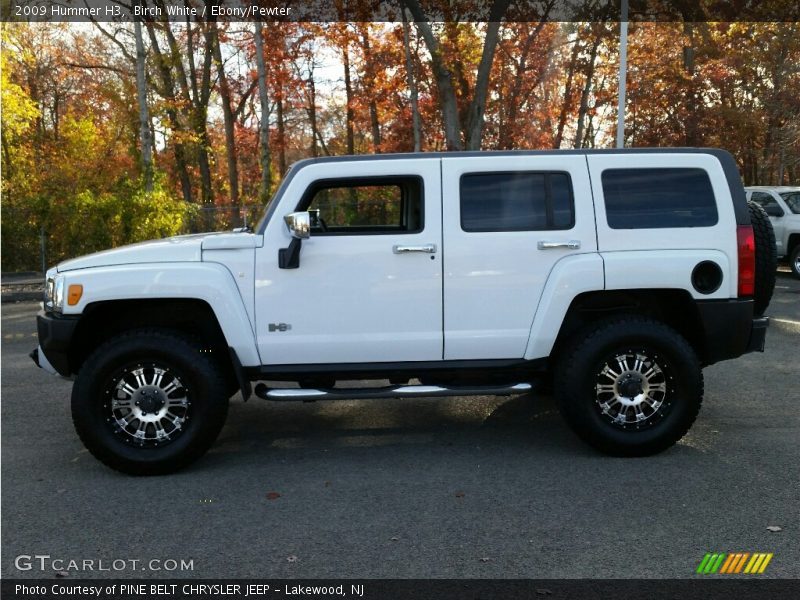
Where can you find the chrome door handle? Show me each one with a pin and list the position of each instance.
(570, 245)
(427, 248)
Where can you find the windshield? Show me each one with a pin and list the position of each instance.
(792, 199)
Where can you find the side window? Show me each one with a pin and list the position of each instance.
(792, 199)
(371, 205)
(516, 201)
(765, 200)
(658, 198)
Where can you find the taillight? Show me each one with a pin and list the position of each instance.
(747, 260)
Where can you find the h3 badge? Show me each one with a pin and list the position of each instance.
(279, 327)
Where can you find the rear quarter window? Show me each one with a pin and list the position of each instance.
(658, 198)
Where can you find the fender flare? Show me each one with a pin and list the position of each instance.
(210, 282)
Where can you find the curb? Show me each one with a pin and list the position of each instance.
(21, 296)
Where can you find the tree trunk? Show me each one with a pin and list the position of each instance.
(201, 119)
(369, 69)
(197, 97)
(168, 92)
(281, 134)
(565, 107)
(230, 123)
(348, 91)
(265, 156)
(444, 79)
(412, 84)
(477, 108)
(144, 117)
(587, 87)
(316, 136)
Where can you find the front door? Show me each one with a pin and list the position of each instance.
(369, 284)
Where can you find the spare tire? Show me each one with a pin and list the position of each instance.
(766, 258)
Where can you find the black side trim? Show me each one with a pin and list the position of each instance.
(390, 370)
(729, 329)
(55, 336)
(241, 377)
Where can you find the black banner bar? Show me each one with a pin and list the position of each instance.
(389, 10)
(407, 589)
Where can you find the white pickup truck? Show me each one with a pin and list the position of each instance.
(782, 204)
(610, 277)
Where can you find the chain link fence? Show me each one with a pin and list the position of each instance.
(35, 239)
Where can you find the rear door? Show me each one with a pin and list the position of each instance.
(508, 219)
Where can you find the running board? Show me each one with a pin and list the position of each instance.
(392, 391)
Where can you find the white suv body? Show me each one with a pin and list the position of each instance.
(473, 272)
(782, 204)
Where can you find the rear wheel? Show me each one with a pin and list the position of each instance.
(149, 402)
(630, 386)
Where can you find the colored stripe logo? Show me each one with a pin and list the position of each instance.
(734, 563)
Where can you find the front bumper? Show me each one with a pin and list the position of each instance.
(730, 329)
(55, 336)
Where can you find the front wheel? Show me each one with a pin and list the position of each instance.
(149, 402)
(794, 261)
(629, 386)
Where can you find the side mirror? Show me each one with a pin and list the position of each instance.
(773, 210)
(299, 225)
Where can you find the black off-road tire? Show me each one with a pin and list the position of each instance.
(766, 258)
(579, 370)
(202, 387)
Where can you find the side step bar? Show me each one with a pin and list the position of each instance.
(392, 391)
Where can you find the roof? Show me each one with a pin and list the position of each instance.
(478, 153)
(775, 188)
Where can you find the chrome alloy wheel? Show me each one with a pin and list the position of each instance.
(632, 389)
(146, 404)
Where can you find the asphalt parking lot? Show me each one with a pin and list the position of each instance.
(435, 488)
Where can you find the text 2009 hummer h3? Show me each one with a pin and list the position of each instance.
(611, 277)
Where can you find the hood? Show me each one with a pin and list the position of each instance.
(181, 248)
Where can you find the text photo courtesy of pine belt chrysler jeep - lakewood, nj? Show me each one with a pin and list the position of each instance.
(609, 278)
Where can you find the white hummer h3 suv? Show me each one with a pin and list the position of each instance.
(611, 277)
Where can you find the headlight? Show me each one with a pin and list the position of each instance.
(54, 293)
(49, 292)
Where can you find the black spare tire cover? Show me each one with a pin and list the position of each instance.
(766, 258)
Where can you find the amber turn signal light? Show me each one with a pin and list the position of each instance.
(74, 294)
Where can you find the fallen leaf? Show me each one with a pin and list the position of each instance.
(273, 496)
(327, 484)
(544, 592)
(62, 490)
(291, 558)
(774, 528)
(459, 494)
(485, 559)
(394, 538)
(62, 574)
